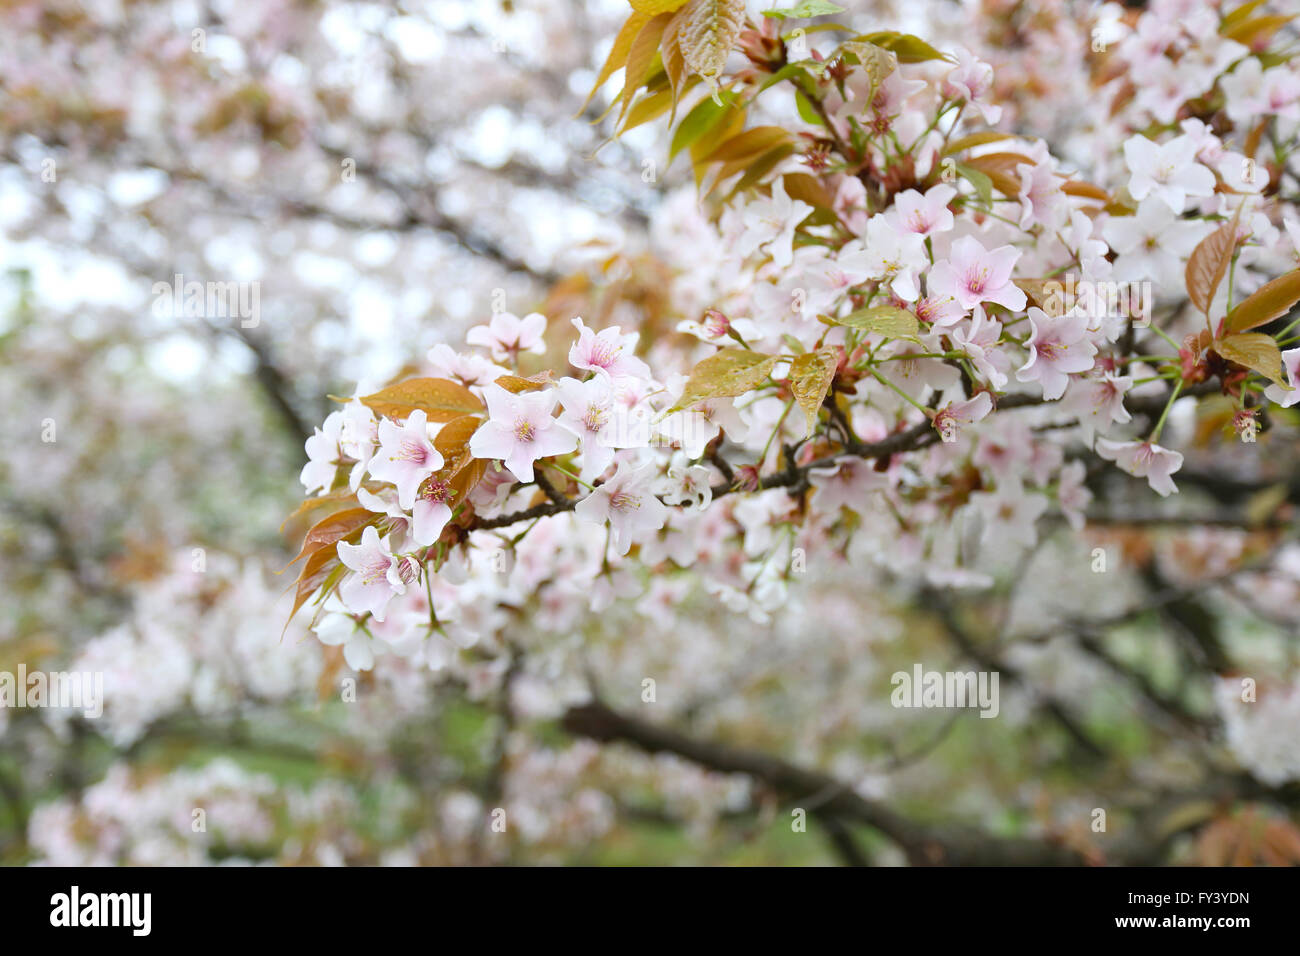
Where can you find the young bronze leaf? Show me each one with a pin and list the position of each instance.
(618, 52)
(310, 506)
(888, 320)
(441, 399)
(1209, 264)
(1268, 302)
(452, 441)
(809, 189)
(315, 571)
(749, 144)
(1257, 352)
(1077, 187)
(810, 378)
(640, 58)
(656, 7)
(329, 531)
(517, 384)
(974, 139)
(731, 372)
(877, 62)
(1000, 168)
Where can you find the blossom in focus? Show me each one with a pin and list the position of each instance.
(602, 423)
(1152, 244)
(1058, 346)
(608, 352)
(406, 456)
(520, 430)
(895, 256)
(379, 574)
(925, 215)
(972, 274)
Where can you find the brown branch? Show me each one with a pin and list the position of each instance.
(923, 844)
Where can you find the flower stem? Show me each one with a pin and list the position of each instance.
(1173, 397)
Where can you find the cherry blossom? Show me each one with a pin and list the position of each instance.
(379, 574)
(609, 352)
(520, 429)
(1058, 346)
(1143, 459)
(627, 501)
(769, 224)
(972, 274)
(926, 215)
(1287, 397)
(1166, 171)
(406, 456)
(507, 335)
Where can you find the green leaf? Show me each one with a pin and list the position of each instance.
(729, 373)
(702, 117)
(982, 183)
(908, 48)
(1239, 15)
(887, 320)
(877, 62)
(805, 10)
(806, 111)
(1256, 351)
(810, 379)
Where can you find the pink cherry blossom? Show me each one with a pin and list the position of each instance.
(972, 274)
(768, 224)
(506, 335)
(520, 430)
(469, 369)
(627, 501)
(406, 456)
(602, 423)
(972, 80)
(378, 574)
(324, 455)
(948, 418)
(926, 215)
(1143, 459)
(1058, 347)
(609, 352)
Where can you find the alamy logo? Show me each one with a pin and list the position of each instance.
(208, 300)
(924, 688)
(134, 910)
(1100, 299)
(58, 689)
